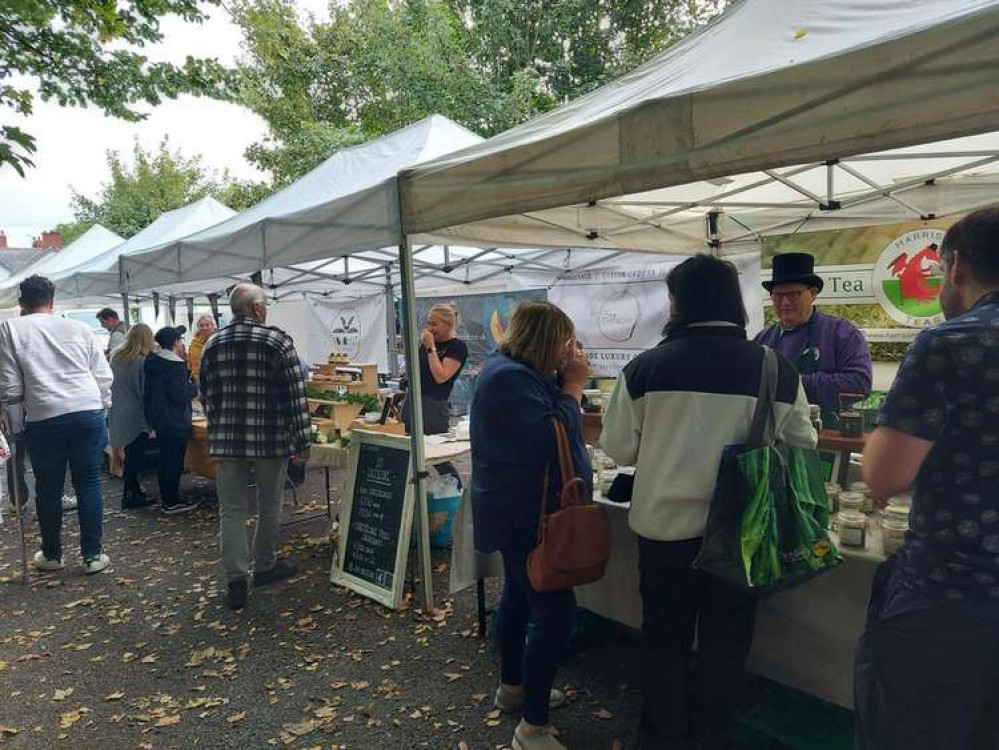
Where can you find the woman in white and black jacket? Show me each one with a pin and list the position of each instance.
(674, 410)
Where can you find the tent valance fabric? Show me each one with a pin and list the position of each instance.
(767, 86)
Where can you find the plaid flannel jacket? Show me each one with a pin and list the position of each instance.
(253, 390)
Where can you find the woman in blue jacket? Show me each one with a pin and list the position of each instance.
(168, 393)
(538, 373)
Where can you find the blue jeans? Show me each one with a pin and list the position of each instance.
(531, 663)
(77, 439)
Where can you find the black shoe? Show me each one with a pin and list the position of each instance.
(279, 572)
(237, 594)
(184, 506)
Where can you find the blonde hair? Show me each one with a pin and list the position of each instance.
(138, 343)
(446, 312)
(537, 334)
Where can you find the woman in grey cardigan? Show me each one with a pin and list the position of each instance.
(126, 420)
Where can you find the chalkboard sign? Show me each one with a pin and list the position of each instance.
(377, 518)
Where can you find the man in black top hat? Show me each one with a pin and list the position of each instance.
(830, 353)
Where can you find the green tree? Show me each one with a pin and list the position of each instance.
(154, 182)
(80, 52)
(378, 65)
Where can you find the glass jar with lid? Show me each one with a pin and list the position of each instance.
(852, 528)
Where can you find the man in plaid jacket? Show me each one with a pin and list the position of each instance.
(254, 395)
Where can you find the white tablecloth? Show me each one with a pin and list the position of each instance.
(805, 637)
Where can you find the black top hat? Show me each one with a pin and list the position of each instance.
(794, 268)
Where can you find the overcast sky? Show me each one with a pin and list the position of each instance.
(72, 142)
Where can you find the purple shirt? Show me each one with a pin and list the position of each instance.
(844, 358)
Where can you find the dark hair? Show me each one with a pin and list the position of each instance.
(976, 237)
(36, 291)
(107, 313)
(181, 330)
(704, 288)
(167, 337)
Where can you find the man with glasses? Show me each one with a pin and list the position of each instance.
(830, 353)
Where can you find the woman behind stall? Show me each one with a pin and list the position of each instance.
(442, 355)
(127, 427)
(673, 411)
(168, 393)
(536, 375)
(206, 327)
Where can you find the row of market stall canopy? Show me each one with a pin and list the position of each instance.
(776, 118)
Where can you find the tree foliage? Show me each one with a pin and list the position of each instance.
(80, 52)
(151, 183)
(378, 65)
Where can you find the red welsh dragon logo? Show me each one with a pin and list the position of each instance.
(913, 272)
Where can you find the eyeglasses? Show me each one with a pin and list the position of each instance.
(786, 296)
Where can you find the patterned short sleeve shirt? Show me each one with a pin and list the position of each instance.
(947, 392)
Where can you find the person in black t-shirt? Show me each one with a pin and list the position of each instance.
(442, 355)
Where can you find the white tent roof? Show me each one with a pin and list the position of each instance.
(347, 203)
(769, 84)
(98, 276)
(87, 246)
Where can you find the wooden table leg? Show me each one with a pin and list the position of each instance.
(329, 503)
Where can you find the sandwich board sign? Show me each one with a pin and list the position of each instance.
(377, 518)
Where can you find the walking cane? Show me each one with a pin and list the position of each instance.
(15, 489)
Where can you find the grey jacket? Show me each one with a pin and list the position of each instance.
(126, 420)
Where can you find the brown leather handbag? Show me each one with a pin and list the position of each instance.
(574, 541)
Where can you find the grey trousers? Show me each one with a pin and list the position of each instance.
(232, 477)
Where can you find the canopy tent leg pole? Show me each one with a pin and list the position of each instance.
(412, 338)
(126, 316)
(712, 231)
(390, 324)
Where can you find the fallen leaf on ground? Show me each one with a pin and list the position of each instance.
(236, 718)
(68, 719)
(603, 713)
(116, 696)
(61, 695)
(168, 721)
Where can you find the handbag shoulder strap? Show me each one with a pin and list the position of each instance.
(763, 428)
(571, 484)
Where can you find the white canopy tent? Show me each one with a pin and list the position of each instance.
(96, 279)
(347, 204)
(771, 114)
(91, 244)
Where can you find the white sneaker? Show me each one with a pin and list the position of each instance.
(69, 502)
(43, 563)
(96, 564)
(539, 740)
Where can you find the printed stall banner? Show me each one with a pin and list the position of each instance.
(893, 270)
(620, 312)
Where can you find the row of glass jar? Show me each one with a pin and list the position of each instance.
(852, 513)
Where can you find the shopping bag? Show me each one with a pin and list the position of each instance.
(766, 527)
